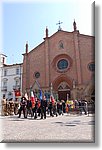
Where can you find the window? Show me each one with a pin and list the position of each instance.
(17, 82)
(62, 64)
(37, 75)
(17, 71)
(4, 87)
(5, 72)
(91, 67)
(4, 83)
(61, 46)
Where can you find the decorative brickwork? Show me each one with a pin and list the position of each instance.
(76, 48)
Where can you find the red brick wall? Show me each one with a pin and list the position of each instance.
(37, 63)
(86, 54)
(55, 51)
(79, 48)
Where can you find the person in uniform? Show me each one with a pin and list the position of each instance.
(4, 107)
(43, 107)
(84, 106)
(39, 107)
(23, 107)
(29, 107)
(36, 108)
(50, 108)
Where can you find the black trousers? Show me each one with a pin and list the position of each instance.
(43, 112)
(30, 112)
(51, 114)
(35, 112)
(24, 112)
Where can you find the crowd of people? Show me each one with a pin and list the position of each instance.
(39, 108)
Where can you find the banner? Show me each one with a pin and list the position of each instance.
(17, 94)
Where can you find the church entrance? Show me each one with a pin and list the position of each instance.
(63, 91)
(63, 95)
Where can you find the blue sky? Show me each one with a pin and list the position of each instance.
(26, 21)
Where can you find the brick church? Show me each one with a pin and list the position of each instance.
(63, 64)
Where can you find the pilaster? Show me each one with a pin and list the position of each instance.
(77, 56)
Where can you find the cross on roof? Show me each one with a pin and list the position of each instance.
(59, 23)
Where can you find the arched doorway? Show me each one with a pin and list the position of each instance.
(63, 91)
(62, 86)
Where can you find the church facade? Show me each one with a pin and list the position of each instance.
(63, 64)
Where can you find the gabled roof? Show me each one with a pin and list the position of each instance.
(49, 38)
(58, 33)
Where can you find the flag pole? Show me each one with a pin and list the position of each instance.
(51, 89)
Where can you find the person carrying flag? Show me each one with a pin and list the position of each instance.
(29, 107)
(32, 98)
(39, 107)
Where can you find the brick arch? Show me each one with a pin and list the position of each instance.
(60, 79)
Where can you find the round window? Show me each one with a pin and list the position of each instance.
(91, 66)
(62, 64)
(37, 74)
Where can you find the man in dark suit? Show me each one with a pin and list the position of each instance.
(23, 107)
(43, 107)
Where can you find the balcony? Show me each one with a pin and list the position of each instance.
(4, 88)
(16, 87)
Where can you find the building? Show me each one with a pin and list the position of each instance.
(11, 78)
(63, 64)
(2, 62)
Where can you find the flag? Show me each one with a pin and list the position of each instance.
(40, 94)
(32, 96)
(26, 96)
(32, 99)
(52, 99)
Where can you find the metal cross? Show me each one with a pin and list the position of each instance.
(59, 23)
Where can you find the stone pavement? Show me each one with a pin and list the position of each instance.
(66, 128)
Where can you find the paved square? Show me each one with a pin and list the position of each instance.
(66, 128)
